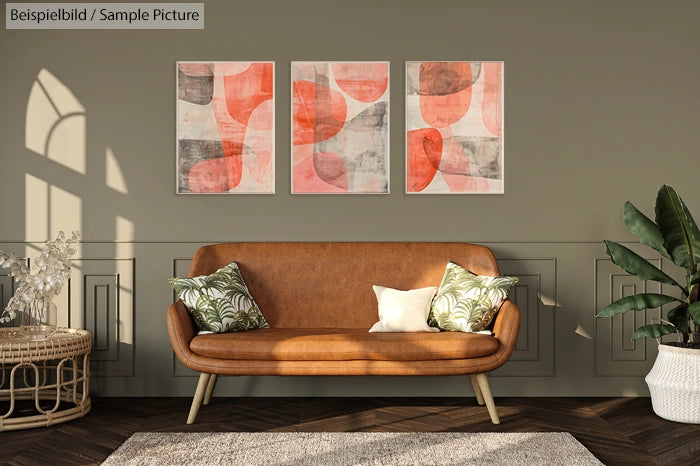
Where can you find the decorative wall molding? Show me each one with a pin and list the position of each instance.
(616, 354)
(180, 269)
(7, 287)
(101, 300)
(551, 357)
(534, 350)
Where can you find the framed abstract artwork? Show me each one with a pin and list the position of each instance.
(340, 127)
(454, 127)
(226, 127)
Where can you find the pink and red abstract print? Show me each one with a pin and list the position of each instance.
(340, 127)
(225, 127)
(454, 127)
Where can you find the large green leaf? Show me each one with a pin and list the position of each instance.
(646, 230)
(680, 232)
(654, 331)
(694, 310)
(678, 317)
(635, 302)
(636, 265)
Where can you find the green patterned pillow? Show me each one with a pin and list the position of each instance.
(466, 302)
(220, 302)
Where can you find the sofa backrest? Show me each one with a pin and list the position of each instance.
(329, 285)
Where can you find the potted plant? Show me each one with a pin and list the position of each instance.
(674, 381)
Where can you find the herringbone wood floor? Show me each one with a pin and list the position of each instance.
(619, 431)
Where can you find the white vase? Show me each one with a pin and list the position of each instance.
(674, 384)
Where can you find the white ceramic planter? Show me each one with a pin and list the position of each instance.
(674, 383)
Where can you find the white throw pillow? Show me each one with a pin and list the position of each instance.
(403, 311)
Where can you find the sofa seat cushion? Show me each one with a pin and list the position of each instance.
(295, 344)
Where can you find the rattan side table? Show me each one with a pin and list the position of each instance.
(55, 369)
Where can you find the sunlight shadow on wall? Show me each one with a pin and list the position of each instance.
(124, 237)
(64, 185)
(36, 223)
(70, 208)
(55, 124)
(581, 331)
(547, 301)
(114, 178)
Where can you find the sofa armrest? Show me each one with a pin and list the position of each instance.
(506, 327)
(181, 330)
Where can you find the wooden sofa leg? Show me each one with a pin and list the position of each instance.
(477, 390)
(210, 389)
(198, 396)
(483, 382)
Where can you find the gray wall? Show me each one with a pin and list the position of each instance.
(600, 107)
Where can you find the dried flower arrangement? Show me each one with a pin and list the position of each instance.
(36, 291)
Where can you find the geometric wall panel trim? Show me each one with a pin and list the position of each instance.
(101, 300)
(616, 354)
(180, 269)
(535, 295)
(100, 312)
(7, 290)
(570, 354)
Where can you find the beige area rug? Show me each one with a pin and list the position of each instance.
(352, 448)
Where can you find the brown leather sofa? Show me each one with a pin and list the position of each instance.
(319, 302)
